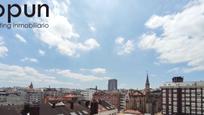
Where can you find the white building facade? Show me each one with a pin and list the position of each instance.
(88, 94)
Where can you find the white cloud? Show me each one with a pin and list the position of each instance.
(20, 38)
(148, 41)
(92, 28)
(182, 39)
(124, 47)
(41, 52)
(88, 45)
(120, 40)
(3, 48)
(27, 59)
(157, 21)
(86, 75)
(99, 70)
(80, 76)
(23, 75)
(95, 70)
(19, 75)
(61, 34)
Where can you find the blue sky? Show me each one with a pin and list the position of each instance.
(91, 41)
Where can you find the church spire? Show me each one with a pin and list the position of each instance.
(147, 84)
(31, 85)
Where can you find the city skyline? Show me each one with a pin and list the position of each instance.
(90, 42)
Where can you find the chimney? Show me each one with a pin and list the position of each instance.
(71, 105)
(79, 102)
(99, 101)
(35, 110)
(31, 110)
(87, 104)
(53, 105)
(94, 107)
(26, 110)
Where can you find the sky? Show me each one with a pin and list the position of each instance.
(91, 41)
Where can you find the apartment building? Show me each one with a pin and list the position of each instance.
(183, 98)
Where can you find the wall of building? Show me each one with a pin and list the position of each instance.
(88, 94)
(183, 100)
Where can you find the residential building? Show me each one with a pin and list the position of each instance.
(105, 108)
(52, 92)
(183, 98)
(62, 108)
(88, 93)
(135, 100)
(12, 97)
(122, 101)
(111, 97)
(65, 98)
(33, 96)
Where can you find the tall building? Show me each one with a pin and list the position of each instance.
(183, 98)
(112, 85)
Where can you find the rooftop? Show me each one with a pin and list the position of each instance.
(191, 84)
(48, 109)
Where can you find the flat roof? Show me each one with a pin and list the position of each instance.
(190, 84)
